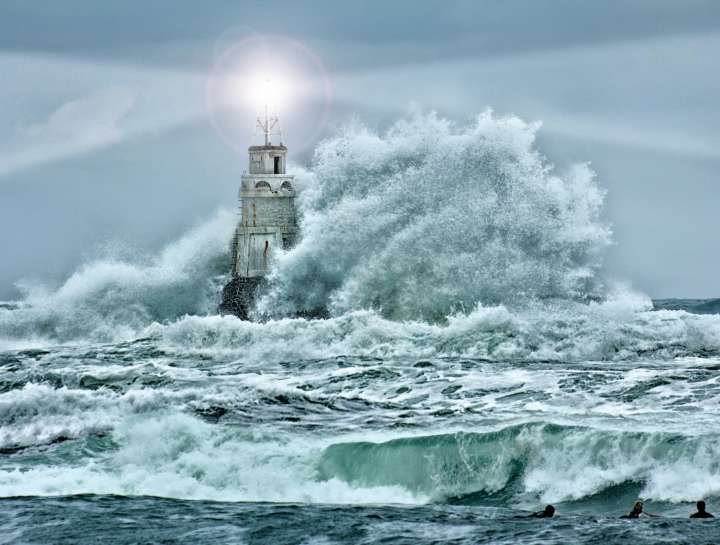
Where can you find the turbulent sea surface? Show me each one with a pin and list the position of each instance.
(475, 367)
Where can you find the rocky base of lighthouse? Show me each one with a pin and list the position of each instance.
(238, 296)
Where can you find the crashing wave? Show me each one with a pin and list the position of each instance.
(113, 299)
(430, 219)
(176, 455)
(544, 461)
(622, 328)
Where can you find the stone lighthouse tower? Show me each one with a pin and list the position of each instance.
(267, 218)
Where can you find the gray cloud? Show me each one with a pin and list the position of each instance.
(369, 33)
(76, 126)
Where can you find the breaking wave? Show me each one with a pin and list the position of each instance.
(177, 455)
(545, 461)
(430, 219)
(623, 328)
(112, 299)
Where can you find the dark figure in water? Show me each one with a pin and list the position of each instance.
(546, 513)
(637, 512)
(701, 513)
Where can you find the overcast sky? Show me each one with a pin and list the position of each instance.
(105, 137)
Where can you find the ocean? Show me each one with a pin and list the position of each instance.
(475, 366)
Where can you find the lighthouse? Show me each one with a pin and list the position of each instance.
(267, 218)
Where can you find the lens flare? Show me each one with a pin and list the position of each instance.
(260, 90)
(270, 72)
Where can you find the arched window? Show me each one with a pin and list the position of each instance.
(262, 186)
(287, 186)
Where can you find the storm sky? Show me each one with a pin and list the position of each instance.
(106, 144)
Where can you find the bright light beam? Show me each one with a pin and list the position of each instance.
(259, 90)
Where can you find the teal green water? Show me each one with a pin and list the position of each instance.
(194, 438)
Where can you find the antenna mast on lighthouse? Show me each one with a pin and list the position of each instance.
(268, 122)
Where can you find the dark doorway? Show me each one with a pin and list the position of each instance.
(277, 165)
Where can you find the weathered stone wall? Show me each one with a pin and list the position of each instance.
(263, 211)
(262, 159)
(275, 181)
(273, 211)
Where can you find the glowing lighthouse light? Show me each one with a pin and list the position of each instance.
(257, 91)
(268, 70)
(265, 95)
(268, 90)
